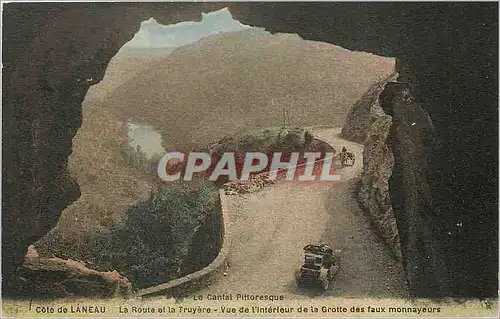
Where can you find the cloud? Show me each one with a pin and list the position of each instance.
(152, 34)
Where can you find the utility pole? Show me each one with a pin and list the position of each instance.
(286, 118)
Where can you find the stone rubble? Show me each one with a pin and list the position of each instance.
(255, 183)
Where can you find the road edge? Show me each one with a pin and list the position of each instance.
(202, 277)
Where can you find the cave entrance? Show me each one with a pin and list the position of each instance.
(182, 86)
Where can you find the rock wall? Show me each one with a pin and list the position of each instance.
(41, 277)
(368, 124)
(412, 139)
(446, 203)
(53, 54)
(374, 197)
(364, 112)
(447, 55)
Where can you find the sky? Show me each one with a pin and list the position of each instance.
(154, 35)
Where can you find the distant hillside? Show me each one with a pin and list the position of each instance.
(243, 80)
(127, 50)
(120, 69)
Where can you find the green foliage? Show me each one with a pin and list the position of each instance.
(275, 138)
(93, 249)
(154, 239)
(151, 243)
(136, 158)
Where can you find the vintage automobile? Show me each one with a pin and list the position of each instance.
(321, 264)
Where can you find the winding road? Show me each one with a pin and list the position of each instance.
(268, 229)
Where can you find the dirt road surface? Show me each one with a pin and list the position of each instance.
(269, 228)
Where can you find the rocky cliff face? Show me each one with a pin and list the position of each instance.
(458, 95)
(378, 163)
(412, 139)
(365, 111)
(49, 64)
(368, 124)
(40, 277)
(447, 58)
